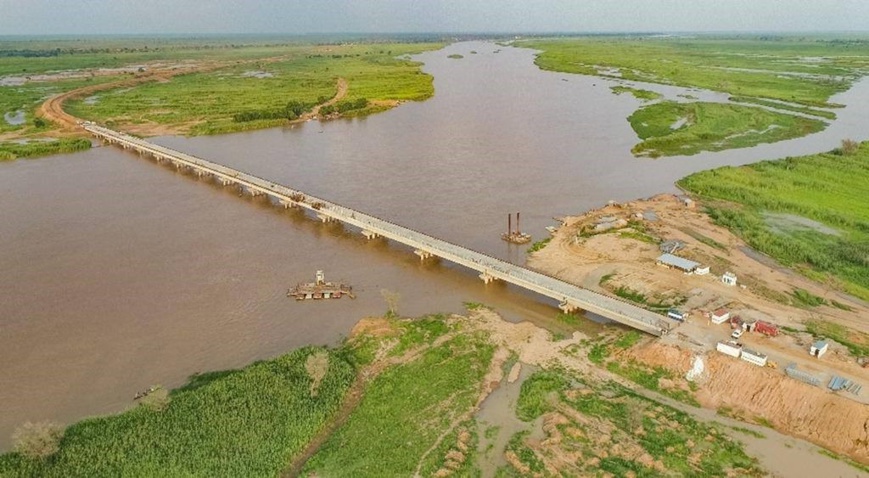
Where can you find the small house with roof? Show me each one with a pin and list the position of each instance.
(819, 348)
(720, 316)
(676, 262)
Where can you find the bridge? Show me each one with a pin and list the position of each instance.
(569, 296)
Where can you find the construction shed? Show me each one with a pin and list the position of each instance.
(720, 316)
(734, 349)
(677, 262)
(754, 357)
(819, 348)
(729, 278)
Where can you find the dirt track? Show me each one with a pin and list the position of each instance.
(52, 108)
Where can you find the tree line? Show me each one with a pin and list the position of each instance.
(295, 109)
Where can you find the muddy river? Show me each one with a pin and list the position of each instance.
(118, 274)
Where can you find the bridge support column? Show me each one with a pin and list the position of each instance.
(326, 219)
(423, 255)
(567, 307)
(286, 204)
(370, 234)
(225, 181)
(487, 278)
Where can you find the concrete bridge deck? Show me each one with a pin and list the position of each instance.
(570, 297)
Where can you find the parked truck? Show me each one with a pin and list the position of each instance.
(766, 328)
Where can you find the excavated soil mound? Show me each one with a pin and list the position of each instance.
(793, 407)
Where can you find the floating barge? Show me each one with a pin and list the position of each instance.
(516, 237)
(320, 289)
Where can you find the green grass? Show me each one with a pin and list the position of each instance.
(539, 245)
(536, 392)
(645, 95)
(639, 236)
(828, 188)
(598, 353)
(741, 66)
(675, 129)
(856, 342)
(29, 97)
(704, 239)
(649, 377)
(244, 422)
(785, 106)
(404, 410)
(857, 465)
(15, 150)
(805, 298)
(628, 339)
(629, 420)
(207, 102)
(749, 432)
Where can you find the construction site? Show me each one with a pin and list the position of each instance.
(742, 318)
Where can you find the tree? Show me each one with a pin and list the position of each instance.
(392, 298)
(849, 147)
(39, 122)
(37, 440)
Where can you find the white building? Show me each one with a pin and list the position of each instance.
(729, 278)
(729, 348)
(753, 357)
(819, 348)
(720, 316)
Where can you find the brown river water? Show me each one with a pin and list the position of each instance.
(118, 273)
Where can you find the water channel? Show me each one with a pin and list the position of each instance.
(119, 274)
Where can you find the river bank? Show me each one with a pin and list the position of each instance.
(376, 429)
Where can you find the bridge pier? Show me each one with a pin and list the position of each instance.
(487, 278)
(423, 255)
(567, 307)
(370, 234)
(225, 181)
(326, 219)
(286, 204)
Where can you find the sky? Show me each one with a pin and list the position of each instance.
(82, 17)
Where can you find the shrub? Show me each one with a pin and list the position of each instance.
(37, 440)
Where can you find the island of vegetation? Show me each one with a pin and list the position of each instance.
(670, 128)
(783, 75)
(181, 86)
(645, 95)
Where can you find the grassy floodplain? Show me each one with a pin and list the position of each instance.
(239, 76)
(247, 422)
(829, 189)
(204, 103)
(788, 74)
(418, 384)
(670, 128)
